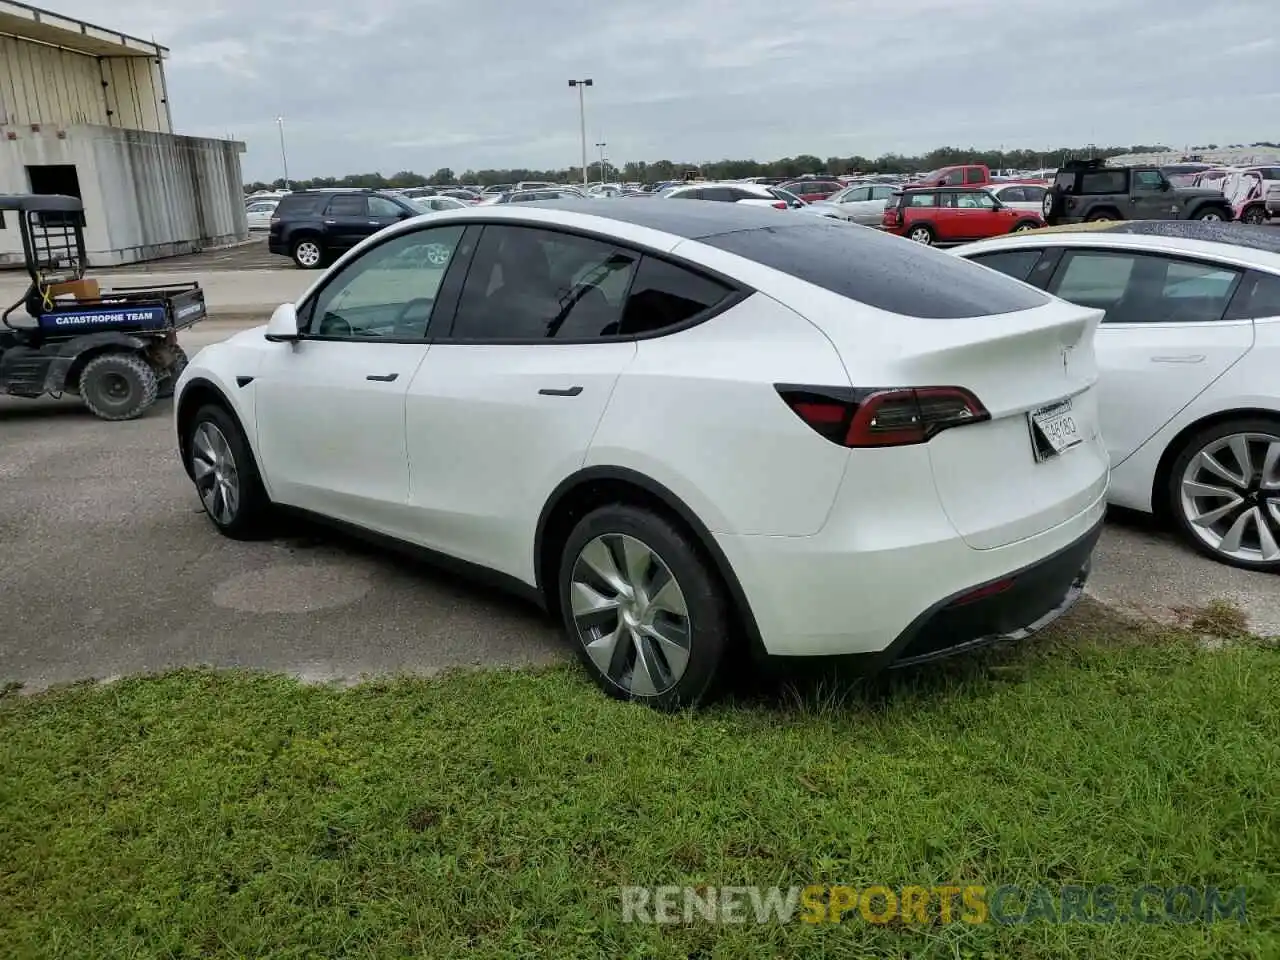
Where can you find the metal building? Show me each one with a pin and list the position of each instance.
(85, 111)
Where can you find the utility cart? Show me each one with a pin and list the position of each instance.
(117, 348)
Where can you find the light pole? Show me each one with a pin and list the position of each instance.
(600, 147)
(284, 157)
(582, 121)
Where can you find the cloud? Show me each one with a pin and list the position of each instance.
(407, 84)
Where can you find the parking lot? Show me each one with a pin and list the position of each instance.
(110, 568)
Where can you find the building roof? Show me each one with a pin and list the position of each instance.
(43, 26)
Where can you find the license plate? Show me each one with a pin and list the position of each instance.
(1054, 429)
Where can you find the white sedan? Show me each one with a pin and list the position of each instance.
(1020, 196)
(751, 194)
(692, 430)
(862, 204)
(1188, 351)
(259, 213)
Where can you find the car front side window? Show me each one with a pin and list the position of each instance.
(1143, 288)
(388, 292)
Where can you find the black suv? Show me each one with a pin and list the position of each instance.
(312, 225)
(1085, 191)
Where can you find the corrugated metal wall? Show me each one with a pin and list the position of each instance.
(146, 195)
(48, 85)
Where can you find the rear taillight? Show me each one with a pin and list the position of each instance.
(882, 417)
(890, 218)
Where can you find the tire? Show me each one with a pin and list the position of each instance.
(605, 540)
(308, 253)
(1212, 215)
(170, 380)
(118, 386)
(1259, 497)
(1102, 216)
(225, 474)
(1051, 205)
(1022, 226)
(921, 234)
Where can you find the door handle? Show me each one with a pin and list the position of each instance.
(384, 378)
(1183, 358)
(374, 223)
(566, 392)
(331, 223)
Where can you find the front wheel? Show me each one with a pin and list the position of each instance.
(221, 464)
(921, 235)
(645, 612)
(1211, 216)
(118, 386)
(1224, 492)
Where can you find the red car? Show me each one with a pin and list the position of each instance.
(953, 215)
(811, 190)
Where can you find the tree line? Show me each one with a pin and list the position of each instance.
(659, 170)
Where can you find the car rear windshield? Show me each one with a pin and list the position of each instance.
(885, 272)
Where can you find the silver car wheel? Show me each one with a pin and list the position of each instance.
(921, 235)
(1210, 217)
(1230, 496)
(630, 615)
(217, 478)
(308, 253)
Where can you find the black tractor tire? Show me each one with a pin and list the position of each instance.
(169, 380)
(1255, 214)
(708, 621)
(118, 386)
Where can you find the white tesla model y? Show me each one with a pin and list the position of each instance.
(692, 430)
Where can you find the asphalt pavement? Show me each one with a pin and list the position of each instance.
(108, 567)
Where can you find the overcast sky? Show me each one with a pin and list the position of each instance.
(389, 85)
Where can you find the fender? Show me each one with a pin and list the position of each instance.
(68, 356)
(677, 506)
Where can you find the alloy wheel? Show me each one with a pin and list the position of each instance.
(216, 475)
(308, 253)
(1210, 217)
(921, 235)
(1230, 496)
(630, 615)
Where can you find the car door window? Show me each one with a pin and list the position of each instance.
(348, 206)
(388, 292)
(857, 195)
(1257, 298)
(1147, 180)
(664, 295)
(531, 284)
(1014, 263)
(1012, 195)
(382, 207)
(1033, 194)
(881, 193)
(722, 194)
(1139, 288)
(922, 200)
(974, 175)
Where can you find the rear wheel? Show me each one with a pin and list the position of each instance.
(226, 475)
(118, 386)
(170, 379)
(1024, 225)
(1256, 214)
(1224, 492)
(1102, 216)
(645, 612)
(308, 253)
(921, 234)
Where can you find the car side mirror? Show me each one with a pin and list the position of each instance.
(283, 325)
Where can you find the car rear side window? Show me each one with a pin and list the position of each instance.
(531, 284)
(884, 272)
(349, 205)
(664, 295)
(1104, 181)
(1257, 298)
(973, 175)
(1012, 263)
(299, 205)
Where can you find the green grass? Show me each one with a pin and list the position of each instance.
(496, 814)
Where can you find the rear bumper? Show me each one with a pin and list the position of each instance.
(1012, 607)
